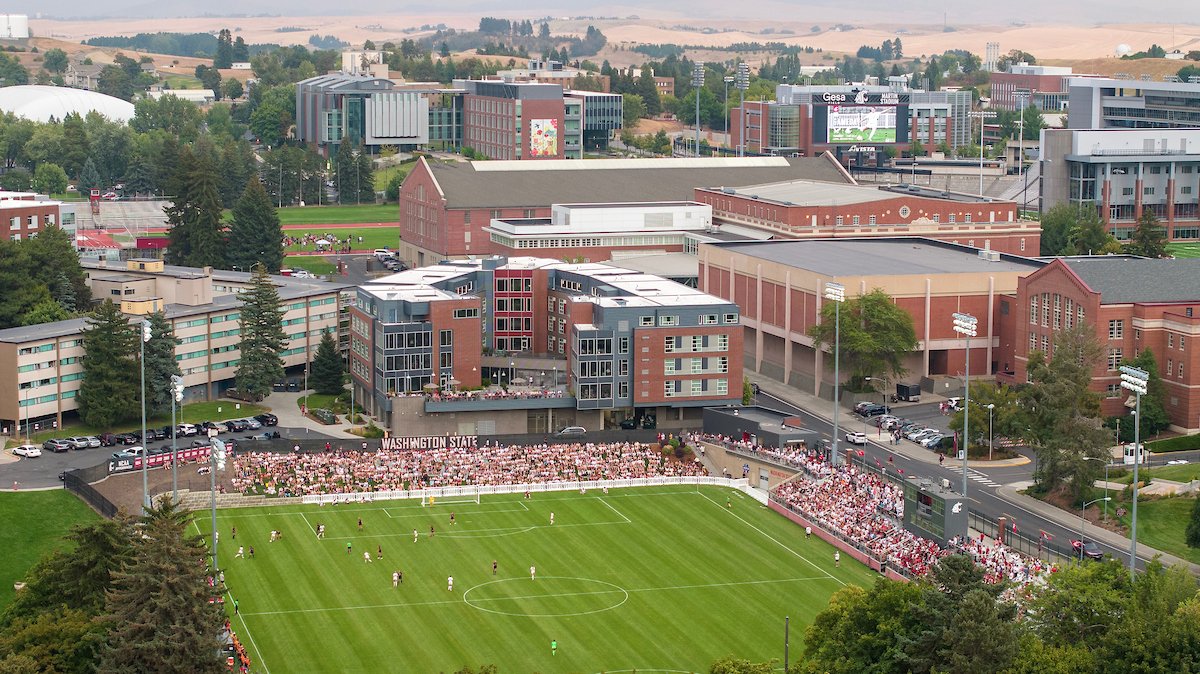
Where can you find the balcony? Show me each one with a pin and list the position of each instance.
(481, 401)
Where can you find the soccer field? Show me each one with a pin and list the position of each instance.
(651, 579)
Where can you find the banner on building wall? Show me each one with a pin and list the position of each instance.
(409, 443)
(543, 137)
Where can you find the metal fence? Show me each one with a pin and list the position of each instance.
(77, 481)
(1022, 543)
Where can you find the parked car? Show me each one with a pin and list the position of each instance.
(381, 253)
(126, 439)
(56, 445)
(572, 430)
(27, 451)
(932, 441)
(206, 426)
(252, 424)
(917, 434)
(1087, 550)
(861, 406)
(267, 419)
(77, 442)
(876, 410)
(954, 403)
(629, 423)
(109, 439)
(235, 425)
(93, 441)
(856, 438)
(188, 430)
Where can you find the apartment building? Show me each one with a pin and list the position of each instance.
(24, 214)
(40, 365)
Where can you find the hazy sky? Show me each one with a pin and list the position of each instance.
(873, 11)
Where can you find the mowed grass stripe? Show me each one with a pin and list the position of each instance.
(701, 584)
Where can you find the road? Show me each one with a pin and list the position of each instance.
(915, 461)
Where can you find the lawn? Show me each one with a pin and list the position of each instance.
(651, 579)
(321, 215)
(34, 524)
(384, 176)
(315, 264)
(1184, 249)
(190, 414)
(1161, 525)
(374, 237)
(1184, 473)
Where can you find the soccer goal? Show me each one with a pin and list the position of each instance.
(431, 500)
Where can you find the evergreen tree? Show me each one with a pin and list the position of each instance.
(108, 394)
(196, 239)
(1154, 416)
(237, 165)
(158, 609)
(1149, 237)
(263, 338)
(75, 146)
(160, 364)
(328, 376)
(648, 90)
(55, 265)
(345, 172)
(89, 177)
(241, 51)
(21, 291)
(139, 177)
(255, 235)
(224, 56)
(364, 183)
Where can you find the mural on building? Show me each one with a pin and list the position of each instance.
(543, 137)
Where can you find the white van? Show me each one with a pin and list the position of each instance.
(381, 253)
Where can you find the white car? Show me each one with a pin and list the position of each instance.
(93, 441)
(856, 438)
(27, 451)
(187, 430)
(932, 441)
(302, 273)
(1177, 462)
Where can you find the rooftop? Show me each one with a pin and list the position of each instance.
(522, 184)
(1122, 279)
(822, 193)
(889, 256)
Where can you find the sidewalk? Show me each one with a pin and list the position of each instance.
(285, 405)
(848, 421)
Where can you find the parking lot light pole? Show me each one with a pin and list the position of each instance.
(1135, 380)
(147, 333)
(216, 461)
(836, 293)
(1083, 520)
(966, 325)
(176, 397)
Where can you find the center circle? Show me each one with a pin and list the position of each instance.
(545, 597)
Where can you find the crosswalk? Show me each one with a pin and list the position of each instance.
(979, 477)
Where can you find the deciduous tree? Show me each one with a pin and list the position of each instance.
(1149, 237)
(875, 334)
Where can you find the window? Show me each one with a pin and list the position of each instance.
(1033, 309)
(646, 321)
(839, 220)
(1181, 342)
(1045, 310)
(622, 345)
(446, 337)
(667, 321)
(1057, 311)
(854, 221)
(708, 319)
(1137, 333)
(870, 219)
(1181, 369)
(623, 390)
(1148, 191)
(1170, 340)
(466, 313)
(1170, 366)
(1033, 341)
(1112, 391)
(1114, 358)
(1116, 329)
(731, 318)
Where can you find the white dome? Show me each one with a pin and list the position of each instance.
(1123, 49)
(40, 103)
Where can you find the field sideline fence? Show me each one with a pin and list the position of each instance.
(537, 487)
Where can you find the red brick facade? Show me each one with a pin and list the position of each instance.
(501, 128)
(19, 221)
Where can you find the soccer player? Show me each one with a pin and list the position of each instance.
(347, 547)
(526, 494)
(251, 552)
(360, 524)
(551, 518)
(728, 502)
(553, 647)
(807, 532)
(274, 536)
(532, 572)
(837, 558)
(395, 579)
(451, 519)
(233, 532)
(367, 556)
(450, 583)
(414, 535)
(240, 553)
(494, 567)
(400, 573)
(431, 531)
(379, 553)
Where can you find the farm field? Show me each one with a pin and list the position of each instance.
(651, 579)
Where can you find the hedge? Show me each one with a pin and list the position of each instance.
(1182, 443)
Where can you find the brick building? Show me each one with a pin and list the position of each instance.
(1044, 87)
(628, 343)
(508, 120)
(23, 214)
(780, 287)
(445, 208)
(1133, 304)
(815, 210)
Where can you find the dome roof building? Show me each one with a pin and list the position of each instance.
(42, 103)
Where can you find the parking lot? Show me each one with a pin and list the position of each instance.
(925, 414)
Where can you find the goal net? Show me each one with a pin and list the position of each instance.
(465, 497)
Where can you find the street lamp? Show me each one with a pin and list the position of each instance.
(991, 438)
(836, 293)
(697, 84)
(176, 397)
(147, 333)
(216, 461)
(742, 83)
(1106, 463)
(1083, 520)
(913, 179)
(729, 79)
(512, 371)
(982, 115)
(1135, 380)
(966, 325)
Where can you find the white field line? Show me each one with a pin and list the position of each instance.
(260, 661)
(618, 512)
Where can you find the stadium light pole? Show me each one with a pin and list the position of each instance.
(836, 293)
(728, 79)
(147, 333)
(742, 83)
(982, 116)
(697, 85)
(966, 325)
(1135, 379)
(176, 397)
(216, 461)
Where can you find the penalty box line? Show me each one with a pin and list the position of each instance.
(446, 602)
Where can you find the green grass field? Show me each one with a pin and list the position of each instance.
(373, 237)
(321, 215)
(1184, 249)
(1162, 523)
(34, 524)
(313, 263)
(652, 579)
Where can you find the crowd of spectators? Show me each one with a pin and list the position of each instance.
(335, 243)
(496, 394)
(797, 456)
(340, 472)
(1001, 563)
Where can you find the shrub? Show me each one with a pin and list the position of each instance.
(1179, 444)
(324, 416)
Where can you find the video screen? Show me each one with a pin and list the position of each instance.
(861, 124)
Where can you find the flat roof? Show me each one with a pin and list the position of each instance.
(44, 331)
(1122, 279)
(890, 256)
(822, 193)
